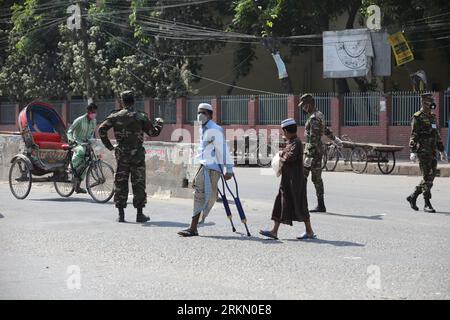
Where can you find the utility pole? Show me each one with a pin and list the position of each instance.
(87, 59)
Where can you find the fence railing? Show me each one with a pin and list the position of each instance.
(192, 105)
(361, 108)
(7, 113)
(77, 108)
(105, 107)
(234, 109)
(446, 113)
(166, 109)
(323, 104)
(273, 109)
(404, 105)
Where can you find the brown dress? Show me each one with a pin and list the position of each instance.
(291, 203)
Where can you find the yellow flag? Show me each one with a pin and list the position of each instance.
(402, 51)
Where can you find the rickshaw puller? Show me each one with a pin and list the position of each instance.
(79, 133)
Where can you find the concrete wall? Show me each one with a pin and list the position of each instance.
(170, 166)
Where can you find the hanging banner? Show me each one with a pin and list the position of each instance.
(401, 49)
(282, 72)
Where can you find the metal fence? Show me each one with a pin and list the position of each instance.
(404, 105)
(446, 112)
(361, 108)
(77, 108)
(323, 104)
(7, 113)
(234, 109)
(105, 107)
(273, 108)
(192, 104)
(166, 109)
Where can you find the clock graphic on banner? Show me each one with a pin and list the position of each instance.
(352, 53)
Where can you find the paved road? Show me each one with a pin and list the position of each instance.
(370, 234)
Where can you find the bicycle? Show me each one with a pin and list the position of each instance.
(99, 177)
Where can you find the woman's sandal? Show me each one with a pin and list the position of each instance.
(267, 234)
(188, 233)
(306, 236)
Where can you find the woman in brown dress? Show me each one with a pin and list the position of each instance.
(291, 203)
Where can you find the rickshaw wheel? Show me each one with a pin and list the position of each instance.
(386, 162)
(359, 160)
(20, 179)
(65, 189)
(332, 158)
(100, 181)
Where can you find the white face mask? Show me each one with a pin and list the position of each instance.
(202, 118)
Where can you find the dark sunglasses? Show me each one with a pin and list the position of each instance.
(202, 112)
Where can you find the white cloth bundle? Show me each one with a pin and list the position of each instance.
(276, 164)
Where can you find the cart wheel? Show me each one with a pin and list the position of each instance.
(358, 160)
(325, 156)
(265, 155)
(386, 162)
(332, 158)
(100, 181)
(20, 179)
(65, 188)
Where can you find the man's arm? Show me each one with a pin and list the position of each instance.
(149, 128)
(72, 132)
(103, 133)
(290, 153)
(440, 144)
(414, 139)
(222, 152)
(314, 138)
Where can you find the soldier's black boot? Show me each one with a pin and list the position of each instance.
(140, 217)
(428, 207)
(320, 206)
(412, 198)
(121, 217)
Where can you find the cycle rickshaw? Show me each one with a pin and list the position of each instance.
(47, 157)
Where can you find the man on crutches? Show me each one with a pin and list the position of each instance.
(213, 157)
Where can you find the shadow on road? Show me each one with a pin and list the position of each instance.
(335, 243)
(375, 217)
(244, 237)
(1, 216)
(173, 224)
(444, 213)
(68, 200)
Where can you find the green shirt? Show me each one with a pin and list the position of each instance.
(82, 129)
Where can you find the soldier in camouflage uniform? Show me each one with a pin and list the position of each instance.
(129, 127)
(315, 128)
(424, 143)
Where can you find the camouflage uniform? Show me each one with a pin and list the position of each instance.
(129, 127)
(425, 141)
(315, 128)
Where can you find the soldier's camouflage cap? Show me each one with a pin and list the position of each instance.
(127, 94)
(305, 98)
(427, 96)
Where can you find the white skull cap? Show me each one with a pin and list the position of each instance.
(288, 122)
(205, 106)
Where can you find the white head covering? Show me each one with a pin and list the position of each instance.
(288, 122)
(205, 106)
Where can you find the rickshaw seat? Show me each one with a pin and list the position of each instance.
(46, 140)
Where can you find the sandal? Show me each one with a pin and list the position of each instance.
(306, 236)
(268, 234)
(188, 233)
